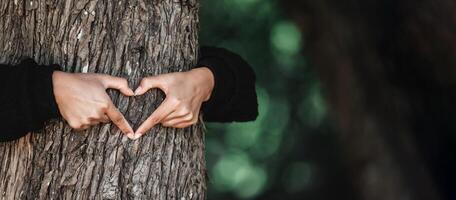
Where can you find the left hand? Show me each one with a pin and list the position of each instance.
(185, 92)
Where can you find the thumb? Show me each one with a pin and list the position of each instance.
(118, 83)
(150, 83)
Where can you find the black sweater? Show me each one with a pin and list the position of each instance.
(27, 99)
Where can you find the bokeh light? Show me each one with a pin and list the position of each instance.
(234, 172)
(272, 157)
(313, 107)
(286, 38)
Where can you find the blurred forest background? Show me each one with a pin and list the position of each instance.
(384, 69)
(291, 150)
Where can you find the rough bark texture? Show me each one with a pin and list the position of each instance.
(132, 39)
(387, 67)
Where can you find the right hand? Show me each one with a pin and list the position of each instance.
(83, 102)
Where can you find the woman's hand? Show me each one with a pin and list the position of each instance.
(82, 99)
(185, 92)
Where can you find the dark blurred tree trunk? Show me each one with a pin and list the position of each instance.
(388, 69)
(132, 39)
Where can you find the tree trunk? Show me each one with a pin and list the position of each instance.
(131, 39)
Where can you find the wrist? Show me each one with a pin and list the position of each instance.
(57, 77)
(206, 79)
(59, 81)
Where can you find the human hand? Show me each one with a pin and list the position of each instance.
(83, 102)
(185, 92)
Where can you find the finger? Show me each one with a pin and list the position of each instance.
(104, 119)
(159, 114)
(94, 122)
(179, 120)
(174, 115)
(118, 83)
(119, 120)
(150, 83)
(82, 128)
(184, 124)
(95, 119)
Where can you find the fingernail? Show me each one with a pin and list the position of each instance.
(138, 90)
(130, 135)
(136, 136)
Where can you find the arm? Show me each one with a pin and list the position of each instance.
(32, 94)
(26, 99)
(234, 96)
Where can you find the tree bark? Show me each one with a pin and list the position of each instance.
(131, 39)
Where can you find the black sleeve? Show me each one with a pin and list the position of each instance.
(26, 98)
(234, 96)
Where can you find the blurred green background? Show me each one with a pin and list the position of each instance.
(290, 151)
